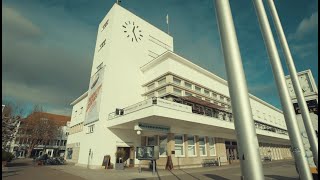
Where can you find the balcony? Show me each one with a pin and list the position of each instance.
(177, 115)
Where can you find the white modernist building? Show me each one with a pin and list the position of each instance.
(142, 93)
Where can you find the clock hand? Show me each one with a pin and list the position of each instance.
(135, 36)
(134, 33)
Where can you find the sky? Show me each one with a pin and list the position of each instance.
(48, 45)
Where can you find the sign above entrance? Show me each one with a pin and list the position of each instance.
(153, 127)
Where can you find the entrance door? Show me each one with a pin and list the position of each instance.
(232, 152)
(126, 159)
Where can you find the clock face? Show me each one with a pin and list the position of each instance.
(132, 31)
(290, 88)
(305, 85)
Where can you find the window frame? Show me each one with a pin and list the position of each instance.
(205, 148)
(194, 146)
(180, 145)
(176, 80)
(214, 146)
(166, 149)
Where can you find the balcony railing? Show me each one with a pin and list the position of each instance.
(216, 113)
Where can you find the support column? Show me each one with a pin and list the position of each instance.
(288, 111)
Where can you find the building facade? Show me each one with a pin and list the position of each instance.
(142, 93)
(54, 148)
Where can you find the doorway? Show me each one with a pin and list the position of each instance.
(129, 157)
(232, 152)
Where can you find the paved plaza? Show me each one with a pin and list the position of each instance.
(23, 169)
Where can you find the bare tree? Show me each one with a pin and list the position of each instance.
(38, 129)
(11, 116)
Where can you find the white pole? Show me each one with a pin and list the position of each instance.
(251, 166)
(167, 18)
(295, 82)
(289, 114)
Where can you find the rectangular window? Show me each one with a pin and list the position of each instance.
(212, 146)
(176, 81)
(188, 85)
(179, 149)
(91, 128)
(105, 25)
(207, 92)
(199, 97)
(221, 98)
(187, 93)
(69, 153)
(102, 44)
(198, 89)
(214, 95)
(81, 110)
(163, 145)
(191, 146)
(161, 92)
(177, 91)
(150, 95)
(151, 141)
(161, 81)
(202, 146)
(100, 66)
(151, 86)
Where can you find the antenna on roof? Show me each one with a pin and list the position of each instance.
(118, 1)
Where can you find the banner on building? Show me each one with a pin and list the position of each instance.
(94, 97)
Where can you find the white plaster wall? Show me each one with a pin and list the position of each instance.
(78, 117)
(122, 81)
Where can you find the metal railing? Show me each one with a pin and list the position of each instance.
(217, 114)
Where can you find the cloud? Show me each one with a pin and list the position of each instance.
(306, 26)
(304, 50)
(38, 68)
(15, 23)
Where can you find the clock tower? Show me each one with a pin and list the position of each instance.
(310, 92)
(125, 43)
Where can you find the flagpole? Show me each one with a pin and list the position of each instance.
(168, 23)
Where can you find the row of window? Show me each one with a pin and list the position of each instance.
(199, 89)
(268, 118)
(262, 126)
(207, 93)
(51, 143)
(180, 145)
(76, 128)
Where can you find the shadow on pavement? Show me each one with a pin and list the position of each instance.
(281, 177)
(7, 175)
(13, 164)
(175, 175)
(189, 174)
(216, 177)
(13, 171)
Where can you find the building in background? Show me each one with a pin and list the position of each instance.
(142, 93)
(54, 147)
(310, 92)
